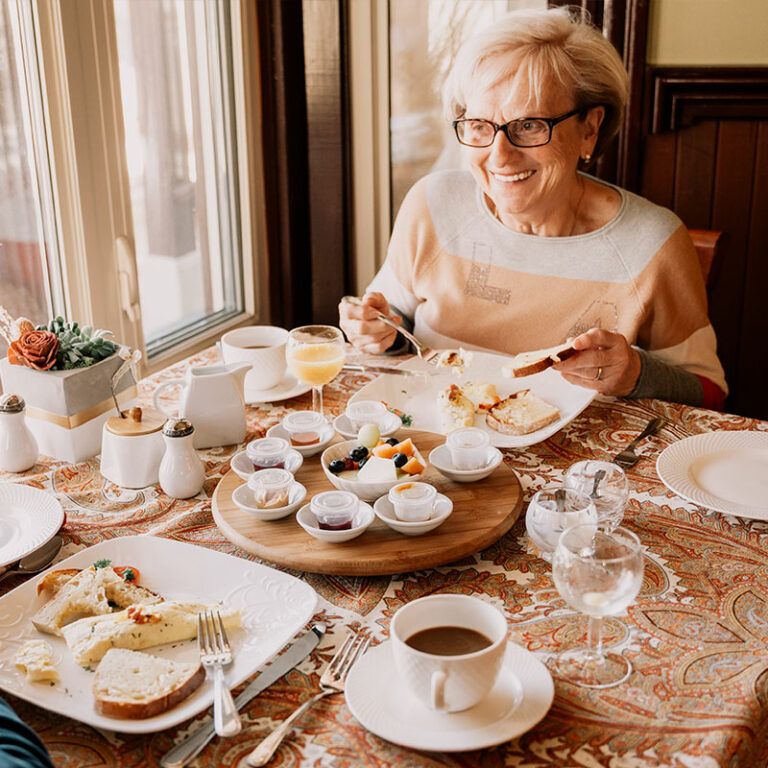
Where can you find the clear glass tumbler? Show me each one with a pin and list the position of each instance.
(605, 483)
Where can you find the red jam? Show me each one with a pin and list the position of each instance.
(305, 438)
(343, 527)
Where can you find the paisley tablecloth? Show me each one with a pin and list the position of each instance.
(697, 635)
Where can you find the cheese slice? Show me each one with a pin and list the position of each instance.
(35, 659)
(139, 626)
(377, 470)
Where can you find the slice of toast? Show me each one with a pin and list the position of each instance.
(90, 592)
(136, 685)
(455, 408)
(521, 413)
(528, 363)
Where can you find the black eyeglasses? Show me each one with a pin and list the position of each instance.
(523, 132)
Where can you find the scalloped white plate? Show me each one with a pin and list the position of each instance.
(725, 470)
(275, 606)
(417, 395)
(28, 518)
(379, 699)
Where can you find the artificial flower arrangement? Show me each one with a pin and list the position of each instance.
(59, 346)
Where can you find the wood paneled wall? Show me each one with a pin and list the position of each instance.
(705, 155)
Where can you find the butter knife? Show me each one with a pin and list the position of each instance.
(383, 369)
(185, 751)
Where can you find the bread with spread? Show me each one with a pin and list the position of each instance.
(137, 685)
(528, 363)
(521, 413)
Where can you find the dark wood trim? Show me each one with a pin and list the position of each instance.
(284, 126)
(682, 96)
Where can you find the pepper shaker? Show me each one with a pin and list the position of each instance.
(181, 472)
(18, 447)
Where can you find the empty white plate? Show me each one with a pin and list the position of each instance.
(28, 518)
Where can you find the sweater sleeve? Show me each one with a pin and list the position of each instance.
(20, 746)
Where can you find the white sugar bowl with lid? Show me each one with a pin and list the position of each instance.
(132, 448)
(18, 447)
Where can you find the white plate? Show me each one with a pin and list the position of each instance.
(28, 518)
(305, 450)
(275, 606)
(385, 706)
(345, 428)
(440, 459)
(726, 471)
(243, 466)
(289, 387)
(362, 519)
(244, 497)
(417, 395)
(385, 511)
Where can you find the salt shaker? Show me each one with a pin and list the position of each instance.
(18, 447)
(181, 471)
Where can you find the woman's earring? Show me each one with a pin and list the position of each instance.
(587, 157)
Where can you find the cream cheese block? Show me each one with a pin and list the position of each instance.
(35, 659)
(456, 409)
(136, 685)
(137, 627)
(377, 470)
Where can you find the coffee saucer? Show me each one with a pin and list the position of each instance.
(287, 388)
(383, 704)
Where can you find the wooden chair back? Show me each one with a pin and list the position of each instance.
(709, 246)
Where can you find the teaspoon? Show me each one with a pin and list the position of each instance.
(37, 560)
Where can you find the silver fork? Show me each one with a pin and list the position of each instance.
(424, 352)
(332, 681)
(215, 654)
(627, 458)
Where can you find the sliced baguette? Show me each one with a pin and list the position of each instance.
(528, 363)
(136, 685)
(521, 414)
(53, 581)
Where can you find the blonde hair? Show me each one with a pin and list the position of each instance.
(559, 44)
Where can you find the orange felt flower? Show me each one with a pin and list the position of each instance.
(36, 349)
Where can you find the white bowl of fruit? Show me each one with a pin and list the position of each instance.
(369, 467)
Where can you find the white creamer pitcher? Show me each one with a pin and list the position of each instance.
(212, 398)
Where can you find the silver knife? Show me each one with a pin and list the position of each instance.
(193, 745)
(383, 369)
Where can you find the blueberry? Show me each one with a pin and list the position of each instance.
(392, 441)
(362, 462)
(400, 459)
(358, 453)
(336, 466)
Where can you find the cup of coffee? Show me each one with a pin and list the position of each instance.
(448, 649)
(263, 346)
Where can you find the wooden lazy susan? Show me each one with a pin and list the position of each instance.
(482, 513)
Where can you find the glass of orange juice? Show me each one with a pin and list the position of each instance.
(315, 355)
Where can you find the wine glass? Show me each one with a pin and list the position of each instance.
(551, 511)
(315, 354)
(605, 483)
(599, 572)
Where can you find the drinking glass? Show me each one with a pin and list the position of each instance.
(551, 511)
(315, 355)
(599, 573)
(605, 483)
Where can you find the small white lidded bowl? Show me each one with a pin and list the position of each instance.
(342, 514)
(365, 412)
(250, 497)
(269, 453)
(468, 447)
(440, 458)
(384, 510)
(413, 502)
(305, 428)
(327, 433)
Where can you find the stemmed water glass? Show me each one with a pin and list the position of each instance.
(599, 573)
(605, 483)
(315, 355)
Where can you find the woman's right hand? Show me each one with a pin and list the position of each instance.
(363, 327)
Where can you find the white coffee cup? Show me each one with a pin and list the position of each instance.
(263, 346)
(449, 683)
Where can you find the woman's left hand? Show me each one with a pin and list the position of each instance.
(605, 362)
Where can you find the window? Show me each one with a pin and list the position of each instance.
(151, 135)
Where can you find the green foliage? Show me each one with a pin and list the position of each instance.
(79, 347)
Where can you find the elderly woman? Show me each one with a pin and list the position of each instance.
(525, 250)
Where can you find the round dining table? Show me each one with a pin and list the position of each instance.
(697, 635)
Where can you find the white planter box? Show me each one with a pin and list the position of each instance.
(66, 409)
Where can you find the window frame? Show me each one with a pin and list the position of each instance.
(79, 69)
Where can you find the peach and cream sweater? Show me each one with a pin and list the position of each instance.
(463, 278)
